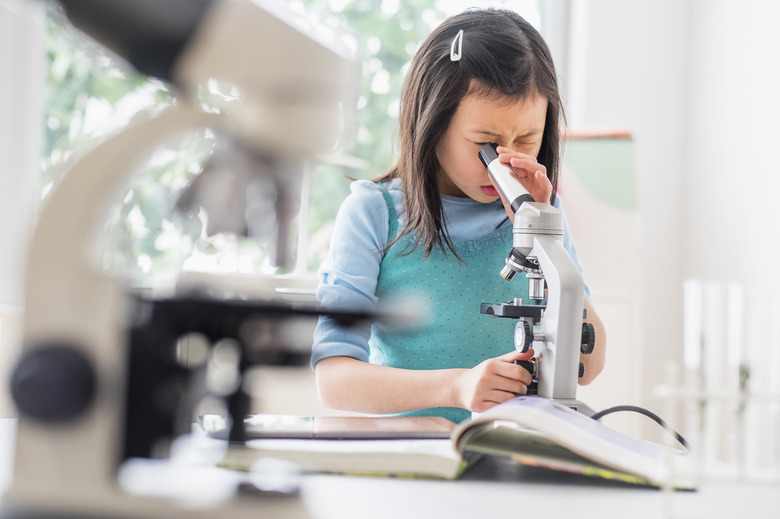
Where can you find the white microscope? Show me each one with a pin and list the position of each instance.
(555, 329)
(98, 383)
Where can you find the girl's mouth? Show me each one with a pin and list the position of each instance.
(489, 190)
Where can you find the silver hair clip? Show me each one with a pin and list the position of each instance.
(458, 40)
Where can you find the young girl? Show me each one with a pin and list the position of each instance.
(435, 230)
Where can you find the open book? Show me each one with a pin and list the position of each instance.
(531, 431)
(539, 432)
(418, 446)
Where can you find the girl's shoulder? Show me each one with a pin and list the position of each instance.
(374, 188)
(365, 213)
(366, 195)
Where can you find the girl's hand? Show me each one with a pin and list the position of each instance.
(529, 172)
(494, 381)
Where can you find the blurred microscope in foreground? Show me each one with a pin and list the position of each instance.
(98, 383)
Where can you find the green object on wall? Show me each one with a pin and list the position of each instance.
(605, 166)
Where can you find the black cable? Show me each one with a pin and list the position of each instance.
(649, 414)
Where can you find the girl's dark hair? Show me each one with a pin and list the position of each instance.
(504, 57)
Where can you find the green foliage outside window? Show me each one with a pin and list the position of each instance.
(90, 95)
(387, 37)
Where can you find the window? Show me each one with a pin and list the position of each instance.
(89, 95)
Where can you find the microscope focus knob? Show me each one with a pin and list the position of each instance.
(523, 336)
(588, 339)
(582, 370)
(53, 383)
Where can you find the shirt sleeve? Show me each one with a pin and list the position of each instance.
(348, 277)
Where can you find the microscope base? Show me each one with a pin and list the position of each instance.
(573, 403)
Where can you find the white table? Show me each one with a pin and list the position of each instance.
(500, 489)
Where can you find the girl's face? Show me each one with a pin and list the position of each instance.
(516, 124)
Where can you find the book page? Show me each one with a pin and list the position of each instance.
(403, 457)
(516, 426)
(334, 427)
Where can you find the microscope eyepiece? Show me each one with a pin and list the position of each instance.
(511, 189)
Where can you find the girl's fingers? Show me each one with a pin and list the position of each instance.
(509, 156)
(529, 172)
(498, 397)
(517, 355)
(501, 150)
(513, 386)
(534, 177)
(511, 372)
(517, 377)
(528, 164)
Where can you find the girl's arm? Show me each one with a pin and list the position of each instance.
(594, 363)
(350, 384)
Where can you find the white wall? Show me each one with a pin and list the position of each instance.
(733, 216)
(628, 70)
(697, 83)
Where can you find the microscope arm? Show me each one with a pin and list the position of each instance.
(73, 307)
(74, 215)
(562, 321)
